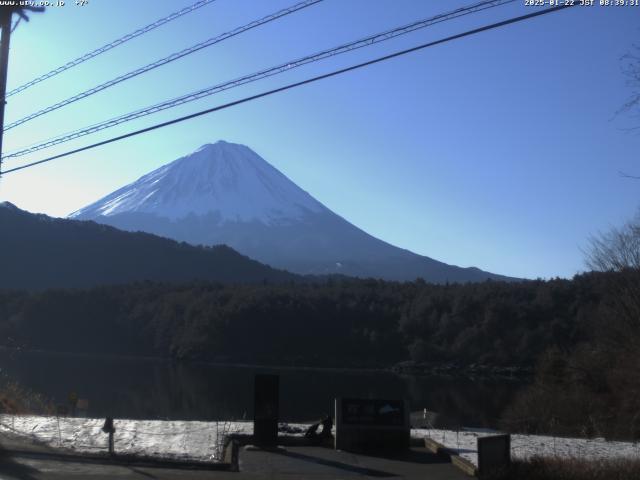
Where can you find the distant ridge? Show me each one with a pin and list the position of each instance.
(225, 193)
(43, 252)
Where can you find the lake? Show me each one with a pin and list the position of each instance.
(156, 389)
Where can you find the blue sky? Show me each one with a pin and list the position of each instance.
(501, 150)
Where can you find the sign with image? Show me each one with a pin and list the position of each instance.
(372, 412)
(372, 425)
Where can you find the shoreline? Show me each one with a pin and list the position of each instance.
(172, 360)
(448, 369)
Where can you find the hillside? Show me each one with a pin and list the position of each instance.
(43, 252)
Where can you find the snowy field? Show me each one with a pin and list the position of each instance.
(464, 443)
(178, 440)
(204, 441)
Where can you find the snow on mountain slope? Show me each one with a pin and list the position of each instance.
(223, 178)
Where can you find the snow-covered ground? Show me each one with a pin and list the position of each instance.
(180, 440)
(465, 442)
(203, 441)
(168, 439)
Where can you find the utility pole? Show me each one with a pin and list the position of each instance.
(6, 14)
(5, 25)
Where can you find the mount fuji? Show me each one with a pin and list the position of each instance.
(225, 193)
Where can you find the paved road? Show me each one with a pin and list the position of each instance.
(291, 462)
(44, 469)
(319, 463)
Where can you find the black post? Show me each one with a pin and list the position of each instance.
(265, 413)
(111, 450)
(5, 24)
(109, 428)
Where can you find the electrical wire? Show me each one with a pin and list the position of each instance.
(287, 66)
(297, 84)
(165, 60)
(111, 45)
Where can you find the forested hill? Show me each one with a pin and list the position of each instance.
(42, 252)
(580, 332)
(343, 323)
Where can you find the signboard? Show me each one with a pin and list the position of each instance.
(372, 412)
(266, 407)
(372, 424)
(494, 454)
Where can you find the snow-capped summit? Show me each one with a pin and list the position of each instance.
(225, 179)
(226, 193)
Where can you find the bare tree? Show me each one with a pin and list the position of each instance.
(616, 250)
(618, 253)
(631, 70)
(594, 389)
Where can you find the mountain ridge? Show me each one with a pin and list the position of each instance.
(51, 252)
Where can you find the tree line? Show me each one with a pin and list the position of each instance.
(342, 322)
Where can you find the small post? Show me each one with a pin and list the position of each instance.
(61, 410)
(59, 433)
(109, 428)
(235, 447)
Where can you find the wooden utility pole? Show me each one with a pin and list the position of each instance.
(5, 25)
(6, 14)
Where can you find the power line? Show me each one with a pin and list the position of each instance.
(109, 46)
(354, 45)
(164, 61)
(296, 84)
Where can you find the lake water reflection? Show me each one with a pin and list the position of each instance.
(150, 388)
